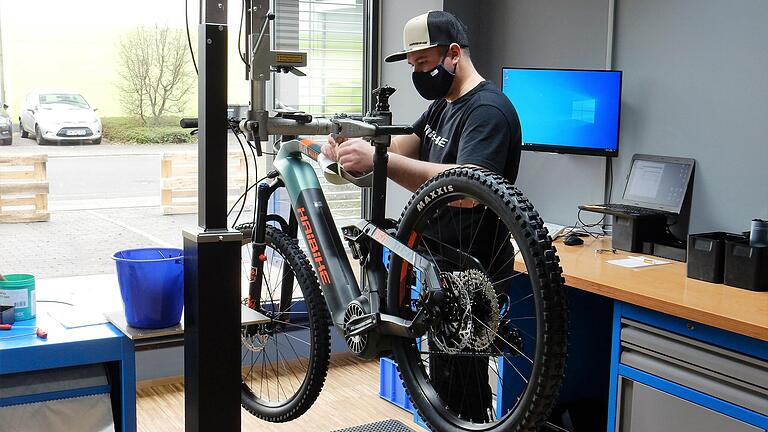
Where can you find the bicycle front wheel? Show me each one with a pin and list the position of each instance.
(494, 353)
(285, 361)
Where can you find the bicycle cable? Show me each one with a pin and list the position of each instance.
(189, 38)
(247, 169)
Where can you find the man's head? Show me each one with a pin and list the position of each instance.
(430, 30)
(435, 44)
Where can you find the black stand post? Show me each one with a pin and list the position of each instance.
(212, 253)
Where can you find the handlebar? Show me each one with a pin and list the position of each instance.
(345, 127)
(188, 123)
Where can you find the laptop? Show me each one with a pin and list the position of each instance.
(656, 185)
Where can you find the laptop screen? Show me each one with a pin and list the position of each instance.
(658, 183)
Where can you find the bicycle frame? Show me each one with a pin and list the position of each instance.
(311, 215)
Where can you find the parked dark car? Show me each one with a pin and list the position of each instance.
(6, 127)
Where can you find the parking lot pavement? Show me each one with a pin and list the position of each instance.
(82, 235)
(82, 242)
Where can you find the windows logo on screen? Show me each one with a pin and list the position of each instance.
(583, 110)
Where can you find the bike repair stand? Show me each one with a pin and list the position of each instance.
(212, 252)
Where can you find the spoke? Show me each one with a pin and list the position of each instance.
(277, 377)
(521, 300)
(424, 241)
(261, 386)
(288, 365)
(249, 371)
(508, 278)
(288, 312)
(291, 324)
(503, 340)
(513, 367)
(253, 361)
(480, 224)
(522, 318)
(501, 248)
(526, 334)
(298, 357)
(512, 258)
(294, 337)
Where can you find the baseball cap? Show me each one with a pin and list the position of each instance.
(434, 28)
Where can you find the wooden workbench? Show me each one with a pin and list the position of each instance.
(664, 288)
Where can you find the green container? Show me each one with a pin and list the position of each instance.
(19, 290)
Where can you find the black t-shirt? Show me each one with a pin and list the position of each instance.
(479, 128)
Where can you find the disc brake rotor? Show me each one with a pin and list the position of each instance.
(484, 307)
(452, 330)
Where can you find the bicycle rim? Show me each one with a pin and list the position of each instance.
(493, 357)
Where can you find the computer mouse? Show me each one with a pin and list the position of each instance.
(572, 240)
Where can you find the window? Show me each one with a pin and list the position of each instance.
(331, 33)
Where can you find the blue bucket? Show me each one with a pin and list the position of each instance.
(152, 286)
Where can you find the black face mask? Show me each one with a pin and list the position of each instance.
(433, 84)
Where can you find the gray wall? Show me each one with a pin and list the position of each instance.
(555, 33)
(406, 104)
(696, 85)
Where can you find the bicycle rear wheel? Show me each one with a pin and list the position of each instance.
(494, 354)
(285, 361)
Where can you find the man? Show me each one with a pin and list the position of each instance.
(471, 123)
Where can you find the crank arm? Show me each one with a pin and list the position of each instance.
(386, 324)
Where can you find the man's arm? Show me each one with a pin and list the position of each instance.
(412, 173)
(356, 155)
(406, 145)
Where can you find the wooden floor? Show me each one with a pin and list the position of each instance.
(350, 398)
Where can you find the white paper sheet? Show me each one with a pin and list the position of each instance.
(637, 262)
(73, 316)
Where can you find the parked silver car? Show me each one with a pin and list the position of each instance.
(6, 126)
(59, 118)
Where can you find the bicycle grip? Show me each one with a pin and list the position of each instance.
(188, 123)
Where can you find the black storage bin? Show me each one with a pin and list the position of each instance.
(746, 266)
(706, 255)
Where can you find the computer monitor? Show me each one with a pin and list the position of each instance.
(565, 110)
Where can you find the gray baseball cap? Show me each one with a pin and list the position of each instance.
(434, 28)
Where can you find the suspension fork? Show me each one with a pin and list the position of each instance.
(258, 243)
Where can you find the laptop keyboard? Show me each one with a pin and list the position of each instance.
(630, 209)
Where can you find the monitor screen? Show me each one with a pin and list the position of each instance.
(658, 183)
(566, 111)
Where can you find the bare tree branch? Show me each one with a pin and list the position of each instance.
(155, 78)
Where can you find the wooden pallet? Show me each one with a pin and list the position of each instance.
(178, 172)
(24, 189)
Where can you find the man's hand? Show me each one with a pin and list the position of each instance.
(355, 154)
(330, 148)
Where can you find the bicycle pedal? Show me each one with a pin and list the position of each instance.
(360, 324)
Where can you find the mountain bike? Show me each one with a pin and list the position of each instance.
(464, 291)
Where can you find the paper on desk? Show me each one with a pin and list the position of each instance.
(637, 262)
(71, 317)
